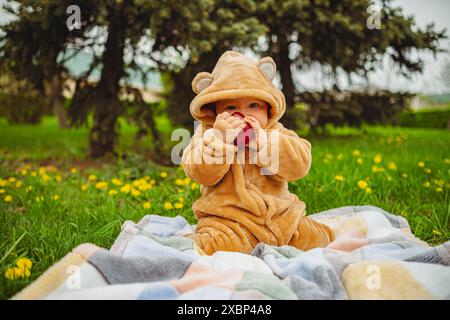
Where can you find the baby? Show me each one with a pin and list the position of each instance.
(244, 177)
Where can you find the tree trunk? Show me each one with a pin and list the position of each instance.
(103, 134)
(284, 66)
(56, 101)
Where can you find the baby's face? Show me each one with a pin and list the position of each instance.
(247, 106)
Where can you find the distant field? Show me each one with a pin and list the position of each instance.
(47, 211)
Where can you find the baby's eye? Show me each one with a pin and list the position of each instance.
(254, 105)
(231, 107)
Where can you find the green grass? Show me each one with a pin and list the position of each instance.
(44, 229)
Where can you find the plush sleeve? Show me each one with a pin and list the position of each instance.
(207, 158)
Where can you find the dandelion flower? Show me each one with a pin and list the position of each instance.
(146, 205)
(377, 158)
(179, 182)
(426, 184)
(339, 178)
(55, 197)
(163, 174)
(392, 166)
(168, 206)
(178, 205)
(3, 183)
(427, 170)
(24, 263)
(2, 190)
(8, 198)
(116, 182)
(194, 185)
(356, 153)
(362, 184)
(439, 189)
(368, 190)
(421, 164)
(187, 181)
(58, 178)
(73, 170)
(83, 187)
(101, 185)
(92, 177)
(126, 188)
(112, 192)
(359, 161)
(135, 193)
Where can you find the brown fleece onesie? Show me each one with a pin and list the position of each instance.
(239, 206)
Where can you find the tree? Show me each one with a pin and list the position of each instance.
(335, 34)
(34, 44)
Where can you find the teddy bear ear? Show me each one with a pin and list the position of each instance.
(268, 67)
(201, 81)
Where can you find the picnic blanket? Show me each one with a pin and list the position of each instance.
(375, 256)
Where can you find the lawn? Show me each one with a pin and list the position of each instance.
(51, 200)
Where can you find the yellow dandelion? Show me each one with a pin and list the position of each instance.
(101, 185)
(359, 161)
(10, 274)
(2, 190)
(163, 174)
(168, 206)
(180, 190)
(362, 184)
(187, 181)
(18, 184)
(126, 188)
(194, 185)
(439, 189)
(339, 178)
(92, 177)
(58, 178)
(426, 184)
(112, 192)
(12, 179)
(73, 170)
(147, 205)
(116, 182)
(178, 205)
(24, 263)
(181, 199)
(421, 164)
(377, 158)
(3, 183)
(392, 166)
(179, 182)
(356, 153)
(427, 170)
(368, 190)
(135, 192)
(8, 198)
(33, 174)
(83, 187)
(23, 172)
(55, 197)
(153, 181)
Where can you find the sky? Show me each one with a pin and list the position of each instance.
(427, 82)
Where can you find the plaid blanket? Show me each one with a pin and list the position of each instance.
(375, 256)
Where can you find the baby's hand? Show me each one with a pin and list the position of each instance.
(260, 135)
(226, 124)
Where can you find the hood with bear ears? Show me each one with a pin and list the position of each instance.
(236, 76)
